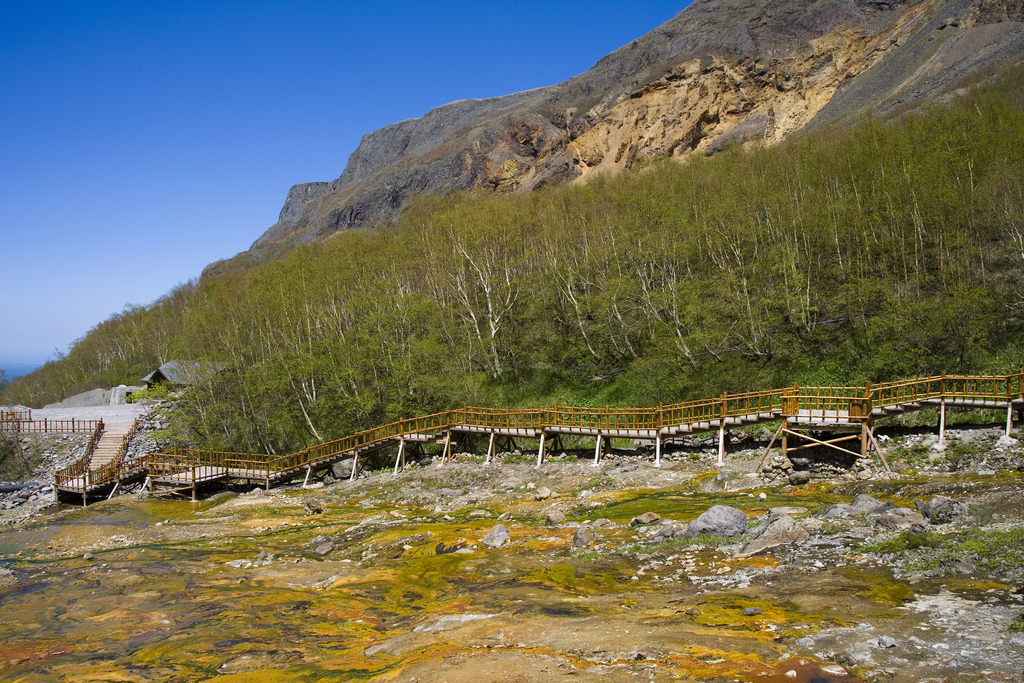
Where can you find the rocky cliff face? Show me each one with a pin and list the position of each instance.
(717, 74)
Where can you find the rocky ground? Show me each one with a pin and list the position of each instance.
(777, 571)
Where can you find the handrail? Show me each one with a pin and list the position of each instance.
(47, 426)
(859, 403)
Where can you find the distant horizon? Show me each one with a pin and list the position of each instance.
(19, 369)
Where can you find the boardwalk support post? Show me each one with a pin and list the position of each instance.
(770, 444)
(878, 449)
(355, 466)
(942, 424)
(401, 454)
(721, 443)
(447, 447)
(597, 450)
(490, 449)
(1009, 416)
(309, 468)
(540, 451)
(113, 490)
(657, 450)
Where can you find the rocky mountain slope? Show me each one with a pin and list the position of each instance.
(717, 74)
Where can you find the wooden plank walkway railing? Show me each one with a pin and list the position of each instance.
(809, 405)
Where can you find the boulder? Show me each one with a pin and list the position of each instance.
(669, 529)
(866, 505)
(324, 548)
(799, 478)
(645, 518)
(720, 520)
(940, 510)
(779, 531)
(543, 493)
(603, 523)
(342, 469)
(497, 536)
(313, 506)
(554, 517)
(584, 538)
(837, 511)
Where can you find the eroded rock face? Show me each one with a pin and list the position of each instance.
(714, 76)
(779, 531)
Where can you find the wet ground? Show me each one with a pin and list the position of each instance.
(392, 582)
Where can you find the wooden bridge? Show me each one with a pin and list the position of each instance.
(845, 413)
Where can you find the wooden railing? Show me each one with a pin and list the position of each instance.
(80, 468)
(49, 426)
(802, 403)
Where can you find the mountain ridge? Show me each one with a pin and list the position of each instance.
(716, 74)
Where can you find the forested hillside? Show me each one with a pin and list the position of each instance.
(882, 250)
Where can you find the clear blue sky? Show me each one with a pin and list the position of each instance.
(141, 141)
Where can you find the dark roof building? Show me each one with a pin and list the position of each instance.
(181, 373)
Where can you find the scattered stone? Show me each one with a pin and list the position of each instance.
(543, 493)
(762, 496)
(478, 513)
(313, 506)
(940, 510)
(497, 536)
(324, 548)
(886, 641)
(751, 611)
(603, 523)
(531, 486)
(799, 478)
(719, 520)
(87, 556)
(645, 518)
(584, 538)
(669, 529)
(554, 518)
(806, 641)
(1006, 442)
(8, 578)
(504, 516)
(835, 670)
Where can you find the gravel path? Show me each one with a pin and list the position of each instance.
(109, 414)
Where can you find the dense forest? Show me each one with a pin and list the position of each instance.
(877, 251)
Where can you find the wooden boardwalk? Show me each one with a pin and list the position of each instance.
(849, 411)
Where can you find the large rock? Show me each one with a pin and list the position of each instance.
(497, 536)
(720, 520)
(669, 528)
(583, 538)
(645, 518)
(799, 478)
(866, 505)
(342, 469)
(779, 531)
(941, 510)
(554, 518)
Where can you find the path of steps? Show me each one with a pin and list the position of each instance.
(109, 443)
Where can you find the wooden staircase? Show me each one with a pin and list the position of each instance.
(109, 444)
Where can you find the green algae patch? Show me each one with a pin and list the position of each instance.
(880, 588)
(566, 578)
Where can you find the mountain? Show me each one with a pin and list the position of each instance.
(719, 73)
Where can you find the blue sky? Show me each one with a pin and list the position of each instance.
(141, 141)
